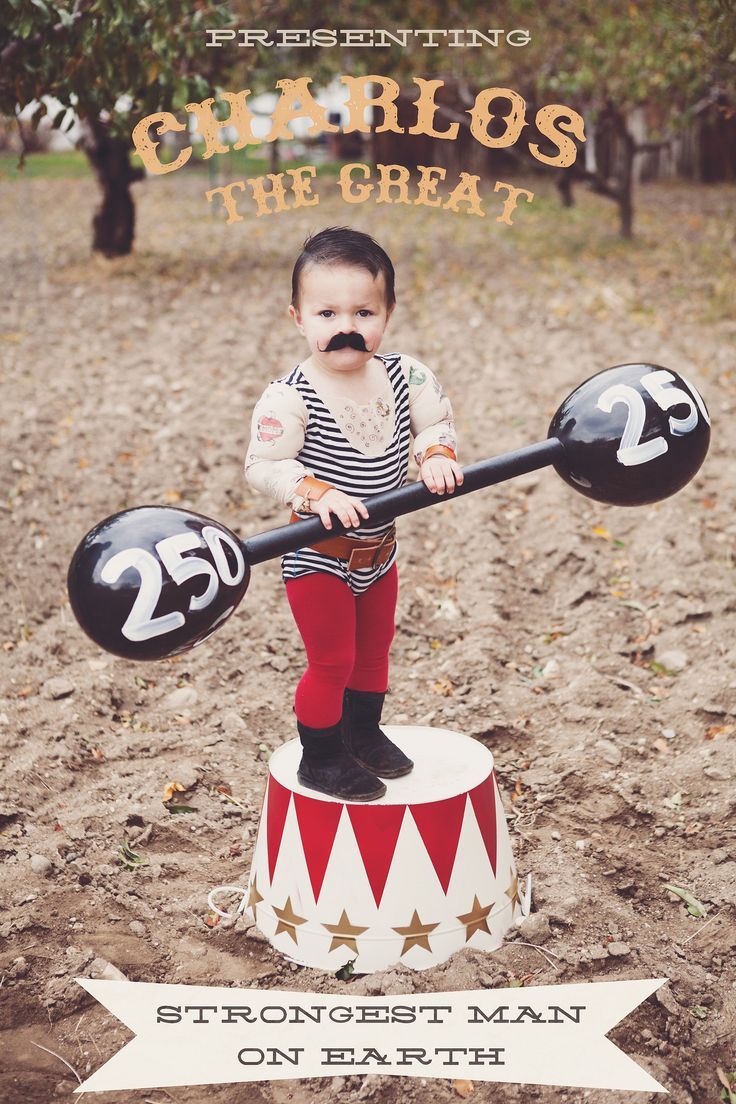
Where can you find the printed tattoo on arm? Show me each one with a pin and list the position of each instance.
(269, 428)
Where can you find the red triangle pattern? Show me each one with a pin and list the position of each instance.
(376, 830)
(278, 807)
(318, 821)
(439, 824)
(483, 798)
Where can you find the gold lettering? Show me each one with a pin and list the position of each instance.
(303, 194)
(568, 120)
(393, 176)
(358, 102)
(228, 199)
(428, 186)
(162, 122)
(511, 201)
(293, 92)
(427, 109)
(261, 196)
(351, 191)
(466, 192)
(209, 125)
(481, 118)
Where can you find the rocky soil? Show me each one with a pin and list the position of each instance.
(591, 648)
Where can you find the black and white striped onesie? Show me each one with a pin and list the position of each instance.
(294, 433)
(331, 457)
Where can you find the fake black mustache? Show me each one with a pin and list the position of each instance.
(344, 341)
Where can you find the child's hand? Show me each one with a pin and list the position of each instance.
(441, 474)
(342, 505)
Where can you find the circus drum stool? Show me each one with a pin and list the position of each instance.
(412, 877)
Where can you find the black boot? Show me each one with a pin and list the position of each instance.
(326, 766)
(365, 741)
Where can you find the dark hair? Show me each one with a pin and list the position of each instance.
(341, 245)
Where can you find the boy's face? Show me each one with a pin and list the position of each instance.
(341, 299)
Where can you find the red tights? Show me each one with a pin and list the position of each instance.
(347, 640)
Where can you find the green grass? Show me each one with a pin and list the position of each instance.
(70, 164)
(65, 164)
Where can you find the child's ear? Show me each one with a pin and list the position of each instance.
(296, 315)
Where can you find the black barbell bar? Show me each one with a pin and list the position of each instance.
(387, 505)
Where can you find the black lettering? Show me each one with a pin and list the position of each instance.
(291, 1056)
(435, 1008)
(168, 1013)
(486, 1057)
(277, 1057)
(201, 1008)
(301, 1015)
(370, 1054)
(251, 1061)
(336, 1056)
(451, 1050)
(413, 1054)
(573, 1015)
(234, 1012)
(496, 1016)
(377, 1013)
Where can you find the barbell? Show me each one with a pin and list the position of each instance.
(153, 581)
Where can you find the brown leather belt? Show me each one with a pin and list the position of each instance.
(360, 553)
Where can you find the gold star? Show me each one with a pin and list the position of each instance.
(476, 919)
(513, 891)
(288, 920)
(344, 933)
(254, 897)
(416, 934)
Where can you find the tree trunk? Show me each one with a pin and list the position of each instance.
(564, 187)
(626, 180)
(275, 158)
(114, 222)
(615, 151)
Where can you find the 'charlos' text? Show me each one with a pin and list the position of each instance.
(553, 122)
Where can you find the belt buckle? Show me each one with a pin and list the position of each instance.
(360, 558)
(374, 556)
(382, 554)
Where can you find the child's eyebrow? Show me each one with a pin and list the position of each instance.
(321, 304)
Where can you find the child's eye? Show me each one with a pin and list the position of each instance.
(365, 313)
(326, 313)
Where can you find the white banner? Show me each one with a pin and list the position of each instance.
(205, 1035)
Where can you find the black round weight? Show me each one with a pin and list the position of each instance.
(153, 581)
(632, 434)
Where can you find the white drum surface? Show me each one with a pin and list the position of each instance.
(446, 763)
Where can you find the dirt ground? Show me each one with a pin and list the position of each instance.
(591, 648)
